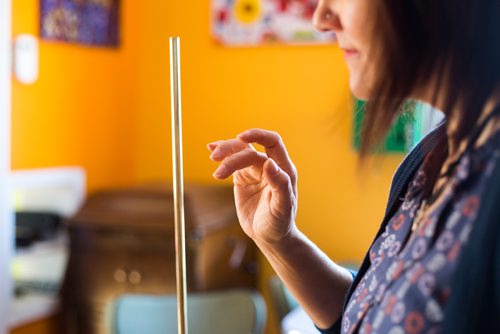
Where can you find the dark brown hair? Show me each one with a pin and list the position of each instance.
(456, 43)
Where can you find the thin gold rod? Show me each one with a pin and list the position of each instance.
(178, 186)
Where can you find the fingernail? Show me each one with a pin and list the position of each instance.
(219, 173)
(216, 153)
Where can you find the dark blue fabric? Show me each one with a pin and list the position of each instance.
(399, 185)
(474, 305)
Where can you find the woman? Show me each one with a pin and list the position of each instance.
(434, 265)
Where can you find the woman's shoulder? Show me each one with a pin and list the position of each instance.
(477, 273)
(410, 164)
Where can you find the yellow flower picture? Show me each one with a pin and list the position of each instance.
(247, 11)
(260, 22)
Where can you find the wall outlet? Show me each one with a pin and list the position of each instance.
(26, 59)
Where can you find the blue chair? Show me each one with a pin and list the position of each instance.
(223, 312)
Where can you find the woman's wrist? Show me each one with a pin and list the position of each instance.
(289, 241)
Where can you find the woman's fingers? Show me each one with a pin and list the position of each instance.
(283, 196)
(278, 180)
(240, 160)
(224, 148)
(212, 146)
(274, 147)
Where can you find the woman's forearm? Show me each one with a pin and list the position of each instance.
(318, 284)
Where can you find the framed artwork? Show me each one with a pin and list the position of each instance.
(263, 22)
(87, 22)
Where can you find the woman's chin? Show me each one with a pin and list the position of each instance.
(360, 92)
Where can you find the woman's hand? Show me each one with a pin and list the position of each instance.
(265, 185)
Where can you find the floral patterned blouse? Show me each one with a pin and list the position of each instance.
(407, 285)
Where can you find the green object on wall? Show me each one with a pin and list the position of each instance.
(404, 134)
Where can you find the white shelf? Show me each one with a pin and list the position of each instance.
(43, 262)
(31, 308)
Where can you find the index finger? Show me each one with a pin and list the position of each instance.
(274, 146)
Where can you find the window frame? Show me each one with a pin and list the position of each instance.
(6, 214)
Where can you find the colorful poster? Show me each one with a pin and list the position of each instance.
(89, 22)
(261, 22)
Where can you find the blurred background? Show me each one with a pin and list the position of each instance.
(91, 154)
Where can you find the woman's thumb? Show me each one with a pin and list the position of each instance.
(277, 179)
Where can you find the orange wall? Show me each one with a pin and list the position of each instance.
(82, 110)
(299, 91)
(109, 111)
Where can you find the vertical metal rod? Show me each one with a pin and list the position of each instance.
(178, 184)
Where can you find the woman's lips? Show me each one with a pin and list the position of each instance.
(350, 53)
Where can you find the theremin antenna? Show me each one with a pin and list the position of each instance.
(178, 184)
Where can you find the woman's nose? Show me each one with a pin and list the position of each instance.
(325, 19)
